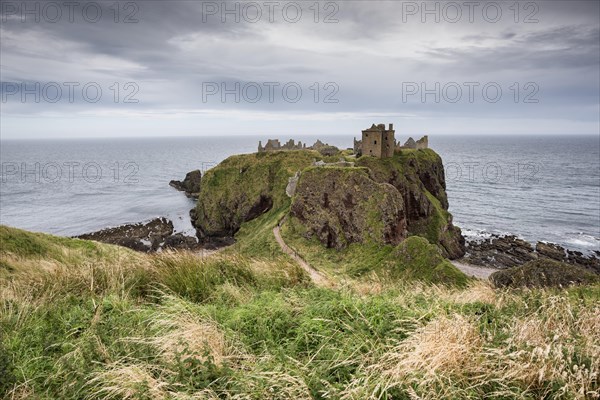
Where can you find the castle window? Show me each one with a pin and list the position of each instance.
(374, 141)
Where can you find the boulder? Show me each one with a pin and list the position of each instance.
(543, 273)
(180, 242)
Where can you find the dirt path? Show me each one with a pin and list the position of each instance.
(472, 270)
(318, 278)
(321, 280)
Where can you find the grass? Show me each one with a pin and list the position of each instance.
(112, 324)
(230, 190)
(413, 259)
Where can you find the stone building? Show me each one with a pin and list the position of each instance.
(376, 141)
(380, 142)
(422, 143)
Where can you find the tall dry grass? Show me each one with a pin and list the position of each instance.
(552, 351)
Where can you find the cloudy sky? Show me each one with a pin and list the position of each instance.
(158, 68)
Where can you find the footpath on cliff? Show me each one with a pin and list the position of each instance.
(317, 277)
(321, 280)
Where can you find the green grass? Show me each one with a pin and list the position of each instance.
(248, 324)
(413, 259)
(29, 244)
(84, 320)
(255, 238)
(230, 190)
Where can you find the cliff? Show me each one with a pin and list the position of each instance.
(379, 201)
(419, 177)
(244, 187)
(344, 205)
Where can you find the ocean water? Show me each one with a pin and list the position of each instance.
(540, 188)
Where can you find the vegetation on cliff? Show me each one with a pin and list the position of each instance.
(419, 177)
(83, 320)
(361, 211)
(396, 197)
(342, 205)
(244, 187)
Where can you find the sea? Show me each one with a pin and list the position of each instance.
(540, 188)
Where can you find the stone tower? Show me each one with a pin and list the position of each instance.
(378, 141)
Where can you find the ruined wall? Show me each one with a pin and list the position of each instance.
(378, 142)
(371, 143)
(275, 145)
(422, 143)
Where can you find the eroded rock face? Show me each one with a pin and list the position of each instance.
(341, 206)
(243, 188)
(140, 236)
(419, 177)
(247, 186)
(190, 184)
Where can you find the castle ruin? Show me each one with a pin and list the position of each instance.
(376, 141)
(380, 142)
(275, 145)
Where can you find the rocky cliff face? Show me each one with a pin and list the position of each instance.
(419, 176)
(379, 200)
(344, 205)
(244, 187)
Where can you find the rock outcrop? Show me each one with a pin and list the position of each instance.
(244, 187)
(340, 206)
(372, 200)
(510, 251)
(179, 241)
(140, 236)
(543, 273)
(147, 237)
(419, 177)
(190, 184)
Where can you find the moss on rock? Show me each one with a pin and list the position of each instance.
(543, 273)
(419, 177)
(343, 205)
(379, 201)
(416, 258)
(244, 187)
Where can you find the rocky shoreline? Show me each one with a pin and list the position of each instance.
(151, 236)
(509, 251)
(494, 253)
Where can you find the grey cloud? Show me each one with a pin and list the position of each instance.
(171, 51)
